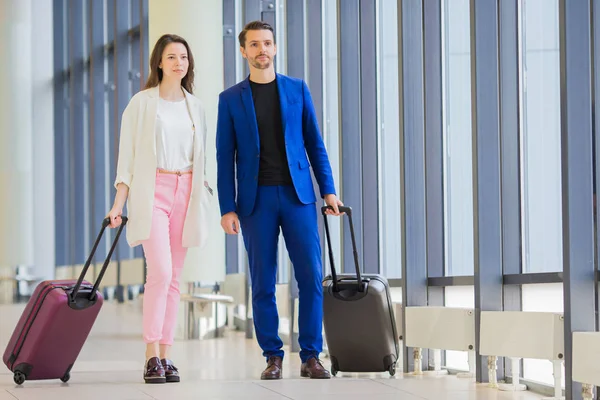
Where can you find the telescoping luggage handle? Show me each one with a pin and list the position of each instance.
(105, 224)
(348, 211)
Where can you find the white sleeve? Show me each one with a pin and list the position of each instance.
(126, 146)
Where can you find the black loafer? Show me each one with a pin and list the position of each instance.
(171, 372)
(154, 371)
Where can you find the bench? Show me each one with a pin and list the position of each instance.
(586, 369)
(519, 334)
(440, 328)
(196, 306)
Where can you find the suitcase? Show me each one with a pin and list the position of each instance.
(56, 323)
(358, 317)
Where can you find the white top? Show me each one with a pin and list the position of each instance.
(138, 158)
(174, 136)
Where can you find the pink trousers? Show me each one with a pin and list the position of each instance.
(165, 256)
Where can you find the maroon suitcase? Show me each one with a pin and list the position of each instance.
(55, 324)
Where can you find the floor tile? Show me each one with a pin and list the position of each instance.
(87, 392)
(5, 395)
(380, 396)
(110, 367)
(335, 386)
(210, 389)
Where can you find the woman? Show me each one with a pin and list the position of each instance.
(161, 175)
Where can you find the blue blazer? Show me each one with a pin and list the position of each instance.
(238, 147)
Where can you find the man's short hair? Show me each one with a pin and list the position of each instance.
(254, 26)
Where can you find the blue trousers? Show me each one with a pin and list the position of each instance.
(278, 207)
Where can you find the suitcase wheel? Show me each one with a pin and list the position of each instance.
(392, 369)
(66, 378)
(19, 378)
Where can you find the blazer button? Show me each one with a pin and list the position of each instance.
(258, 156)
(255, 177)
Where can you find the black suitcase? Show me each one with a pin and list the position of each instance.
(358, 317)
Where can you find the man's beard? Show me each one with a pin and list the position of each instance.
(258, 65)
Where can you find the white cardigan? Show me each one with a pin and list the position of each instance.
(137, 165)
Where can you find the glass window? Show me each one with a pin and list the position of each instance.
(458, 152)
(459, 297)
(540, 138)
(74, 111)
(285, 266)
(331, 123)
(389, 141)
(542, 298)
(280, 38)
(62, 117)
(87, 188)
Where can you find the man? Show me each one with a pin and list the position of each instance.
(265, 128)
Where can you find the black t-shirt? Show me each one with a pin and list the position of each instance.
(273, 167)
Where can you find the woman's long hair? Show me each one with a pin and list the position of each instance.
(156, 73)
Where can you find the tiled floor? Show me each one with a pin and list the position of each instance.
(110, 367)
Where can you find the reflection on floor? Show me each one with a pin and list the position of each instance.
(110, 367)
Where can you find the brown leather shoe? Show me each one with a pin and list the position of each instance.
(314, 369)
(154, 371)
(273, 370)
(171, 372)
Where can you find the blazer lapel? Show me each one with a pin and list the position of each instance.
(283, 103)
(250, 111)
(190, 103)
(151, 112)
